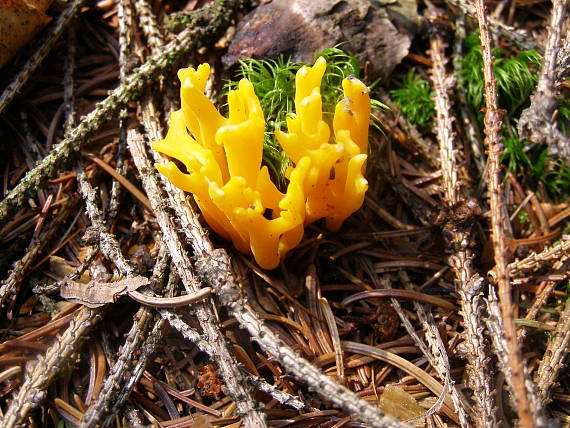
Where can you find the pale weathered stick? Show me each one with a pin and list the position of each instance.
(9, 287)
(519, 37)
(516, 376)
(228, 366)
(34, 389)
(143, 323)
(459, 240)
(537, 122)
(536, 261)
(552, 361)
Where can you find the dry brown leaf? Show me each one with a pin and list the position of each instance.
(96, 293)
(201, 421)
(397, 402)
(20, 21)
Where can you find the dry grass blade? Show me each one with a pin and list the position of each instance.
(126, 183)
(400, 294)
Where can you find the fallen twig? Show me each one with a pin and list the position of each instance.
(468, 283)
(516, 375)
(48, 40)
(228, 366)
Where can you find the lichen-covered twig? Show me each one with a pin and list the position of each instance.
(560, 267)
(228, 366)
(496, 328)
(563, 59)
(281, 396)
(147, 349)
(439, 363)
(34, 388)
(210, 23)
(126, 28)
(107, 242)
(147, 21)
(537, 261)
(461, 260)
(438, 356)
(192, 335)
(48, 40)
(537, 122)
(516, 375)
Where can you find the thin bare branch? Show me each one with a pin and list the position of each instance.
(144, 322)
(516, 374)
(34, 389)
(468, 283)
(553, 359)
(204, 312)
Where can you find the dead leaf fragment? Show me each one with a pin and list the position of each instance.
(20, 21)
(96, 293)
(397, 402)
(61, 268)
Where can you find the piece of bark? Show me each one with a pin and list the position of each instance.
(379, 33)
(96, 293)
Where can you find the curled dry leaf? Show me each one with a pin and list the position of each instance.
(96, 293)
(20, 21)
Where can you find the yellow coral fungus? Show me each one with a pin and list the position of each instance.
(223, 157)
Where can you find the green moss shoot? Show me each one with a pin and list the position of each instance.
(415, 99)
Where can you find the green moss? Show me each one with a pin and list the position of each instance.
(415, 99)
(516, 77)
